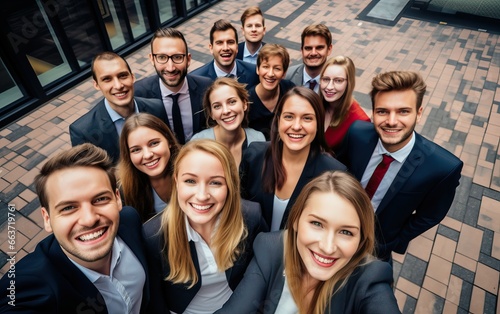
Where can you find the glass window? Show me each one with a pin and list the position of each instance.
(9, 91)
(136, 11)
(166, 10)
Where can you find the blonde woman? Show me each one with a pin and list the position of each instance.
(322, 262)
(202, 243)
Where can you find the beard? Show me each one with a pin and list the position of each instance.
(175, 82)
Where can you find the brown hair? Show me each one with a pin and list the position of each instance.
(398, 81)
(84, 155)
(251, 11)
(221, 26)
(273, 172)
(168, 32)
(273, 50)
(108, 56)
(341, 109)
(135, 184)
(316, 30)
(241, 91)
(228, 236)
(346, 186)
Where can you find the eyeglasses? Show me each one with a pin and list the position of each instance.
(162, 59)
(336, 81)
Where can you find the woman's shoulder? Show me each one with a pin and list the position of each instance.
(374, 271)
(254, 136)
(327, 162)
(257, 148)
(287, 85)
(269, 245)
(357, 113)
(205, 134)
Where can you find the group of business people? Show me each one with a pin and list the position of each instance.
(218, 219)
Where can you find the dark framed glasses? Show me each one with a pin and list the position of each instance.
(162, 58)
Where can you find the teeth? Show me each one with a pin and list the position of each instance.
(120, 94)
(390, 131)
(229, 119)
(322, 259)
(296, 135)
(201, 207)
(91, 236)
(150, 164)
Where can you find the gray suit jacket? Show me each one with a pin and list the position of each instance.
(368, 289)
(296, 74)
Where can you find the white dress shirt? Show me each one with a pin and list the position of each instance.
(220, 73)
(307, 80)
(184, 102)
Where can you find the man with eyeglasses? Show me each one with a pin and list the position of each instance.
(316, 46)
(224, 48)
(181, 93)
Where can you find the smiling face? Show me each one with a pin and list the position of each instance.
(315, 51)
(115, 82)
(227, 108)
(271, 72)
(224, 49)
(83, 214)
(171, 74)
(202, 189)
(328, 234)
(254, 29)
(336, 86)
(395, 115)
(297, 124)
(149, 151)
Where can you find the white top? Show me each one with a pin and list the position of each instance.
(286, 305)
(251, 134)
(159, 204)
(214, 291)
(122, 289)
(399, 158)
(279, 207)
(184, 102)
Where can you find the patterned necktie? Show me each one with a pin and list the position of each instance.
(378, 175)
(176, 116)
(312, 84)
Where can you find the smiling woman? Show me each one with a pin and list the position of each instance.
(322, 262)
(147, 149)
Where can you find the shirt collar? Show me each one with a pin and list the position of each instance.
(195, 236)
(92, 275)
(165, 92)
(247, 53)
(115, 115)
(220, 73)
(307, 78)
(399, 155)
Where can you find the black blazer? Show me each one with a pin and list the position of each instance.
(368, 290)
(251, 166)
(420, 195)
(96, 126)
(178, 296)
(241, 49)
(46, 281)
(149, 87)
(245, 72)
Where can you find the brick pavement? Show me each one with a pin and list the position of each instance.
(452, 268)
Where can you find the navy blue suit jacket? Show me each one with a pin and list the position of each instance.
(96, 126)
(178, 296)
(241, 49)
(245, 72)
(420, 195)
(46, 281)
(251, 166)
(368, 289)
(149, 87)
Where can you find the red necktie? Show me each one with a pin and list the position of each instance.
(378, 174)
(312, 84)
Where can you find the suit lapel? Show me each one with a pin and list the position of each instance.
(109, 128)
(194, 96)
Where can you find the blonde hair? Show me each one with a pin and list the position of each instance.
(340, 111)
(226, 242)
(344, 185)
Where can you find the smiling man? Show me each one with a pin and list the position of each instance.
(171, 59)
(316, 46)
(411, 181)
(93, 262)
(253, 28)
(102, 125)
(224, 48)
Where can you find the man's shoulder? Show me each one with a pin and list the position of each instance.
(435, 152)
(198, 80)
(203, 70)
(147, 81)
(89, 118)
(245, 65)
(293, 70)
